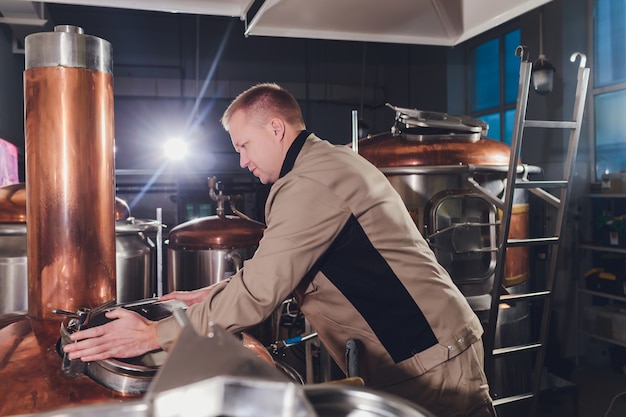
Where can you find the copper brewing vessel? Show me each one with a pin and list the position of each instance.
(426, 164)
(68, 99)
(216, 232)
(13, 203)
(69, 177)
(122, 210)
(389, 151)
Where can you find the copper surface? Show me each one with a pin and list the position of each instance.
(31, 378)
(122, 210)
(257, 347)
(516, 264)
(386, 151)
(216, 232)
(13, 203)
(70, 192)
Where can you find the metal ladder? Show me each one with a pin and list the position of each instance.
(505, 204)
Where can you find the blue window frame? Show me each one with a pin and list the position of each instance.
(494, 78)
(609, 89)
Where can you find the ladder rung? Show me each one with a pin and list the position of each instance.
(523, 296)
(550, 124)
(541, 184)
(535, 241)
(515, 349)
(512, 399)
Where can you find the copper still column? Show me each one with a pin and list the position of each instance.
(68, 97)
(70, 206)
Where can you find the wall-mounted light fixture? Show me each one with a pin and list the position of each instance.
(543, 70)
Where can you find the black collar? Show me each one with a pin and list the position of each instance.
(292, 153)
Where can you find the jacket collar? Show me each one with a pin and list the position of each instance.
(292, 153)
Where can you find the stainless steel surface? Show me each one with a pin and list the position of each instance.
(430, 170)
(207, 250)
(70, 177)
(233, 382)
(126, 376)
(450, 123)
(135, 261)
(193, 269)
(187, 362)
(68, 46)
(13, 264)
(133, 376)
(341, 401)
(13, 281)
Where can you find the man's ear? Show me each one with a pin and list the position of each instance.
(278, 127)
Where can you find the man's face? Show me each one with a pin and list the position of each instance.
(259, 146)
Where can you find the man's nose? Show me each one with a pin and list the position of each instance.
(243, 160)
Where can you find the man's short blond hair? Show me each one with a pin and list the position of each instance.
(264, 101)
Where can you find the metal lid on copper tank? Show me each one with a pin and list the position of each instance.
(421, 138)
(13, 203)
(122, 210)
(216, 232)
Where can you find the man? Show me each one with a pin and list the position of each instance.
(340, 238)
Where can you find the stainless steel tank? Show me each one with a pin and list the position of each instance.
(134, 252)
(207, 250)
(431, 159)
(13, 281)
(135, 262)
(428, 158)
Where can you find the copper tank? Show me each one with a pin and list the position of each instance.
(427, 157)
(68, 99)
(209, 249)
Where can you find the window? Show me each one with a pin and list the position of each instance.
(494, 77)
(609, 86)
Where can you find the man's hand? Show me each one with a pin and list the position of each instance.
(128, 335)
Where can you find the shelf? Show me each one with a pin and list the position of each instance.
(602, 294)
(600, 248)
(604, 339)
(598, 195)
(607, 204)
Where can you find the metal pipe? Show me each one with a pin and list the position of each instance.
(355, 131)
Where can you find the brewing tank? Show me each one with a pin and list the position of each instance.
(13, 283)
(68, 99)
(207, 250)
(430, 158)
(68, 110)
(135, 255)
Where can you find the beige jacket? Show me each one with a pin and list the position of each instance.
(340, 238)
